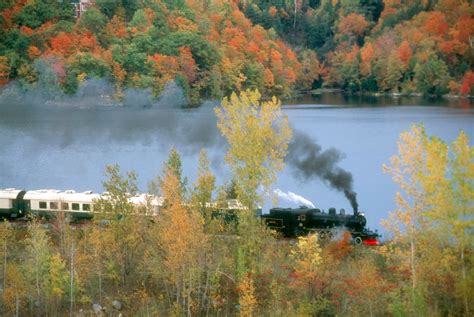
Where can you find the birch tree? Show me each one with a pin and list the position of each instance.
(258, 134)
(406, 169)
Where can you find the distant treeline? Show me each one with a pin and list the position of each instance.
(211, 48)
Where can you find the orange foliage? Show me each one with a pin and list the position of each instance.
(353, 24)
(435, 23)
(253, 48)
(33, 52)
(258, 33)
(63, 44)
(404, 53)
(187, 64)
(88, 41)
(275, 56)
(164, 66)
(272, 11)
(352, 55)
(45, 27)
(181, 24)
(340, 249)
(366, 56)
(467, 83)
(290, 75)
(240, 20)
(9, 14)
(26, 30)
(116, 27)
(268, 78)
(459, 36)
(118, 72)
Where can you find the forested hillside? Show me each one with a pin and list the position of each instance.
(211, 48)
(380, 46)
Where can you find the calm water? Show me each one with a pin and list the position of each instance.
(67, 147)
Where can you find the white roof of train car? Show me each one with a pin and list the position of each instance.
(86, 197)
(9, 193)
(57, 195)
(142, 199)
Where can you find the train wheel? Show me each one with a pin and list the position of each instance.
(358, 240)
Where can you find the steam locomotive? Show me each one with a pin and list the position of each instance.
(294, 222)
(289, 222)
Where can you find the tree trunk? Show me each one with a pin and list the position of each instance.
(413, 268)
(294, 18)
(463, 265)
(72, 280)
(4, 264)
(38, 293)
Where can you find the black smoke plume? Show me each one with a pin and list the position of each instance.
(307, 160)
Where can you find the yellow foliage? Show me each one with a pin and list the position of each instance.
(247, 300)
(258, 134)
(307, 254)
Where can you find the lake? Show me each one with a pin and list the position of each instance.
(67, 147)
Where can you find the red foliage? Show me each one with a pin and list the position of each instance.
(467, 83)
(340, 249)
(404, 53)
(435, 23)
(63, 44)
(187, 64)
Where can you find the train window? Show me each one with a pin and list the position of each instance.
(53, 205)
(302, 217)
(75, 206)
(42, 205)
(64, 206)
(86, 207)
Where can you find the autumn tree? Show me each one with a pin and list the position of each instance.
(204, 188)
(306, 255)
(460, 220)
(126, 232)
(175, 165)
(44, 271)
(15, 289)
(407, 221)
(258, 134)
(181, 254)
(434, 210)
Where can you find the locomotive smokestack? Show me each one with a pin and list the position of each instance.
(309, 161)
(352, 197)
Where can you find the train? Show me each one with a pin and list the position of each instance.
(294, 222)
(290, 222)
(77, 206)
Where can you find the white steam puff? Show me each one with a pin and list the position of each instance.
(294, 198)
